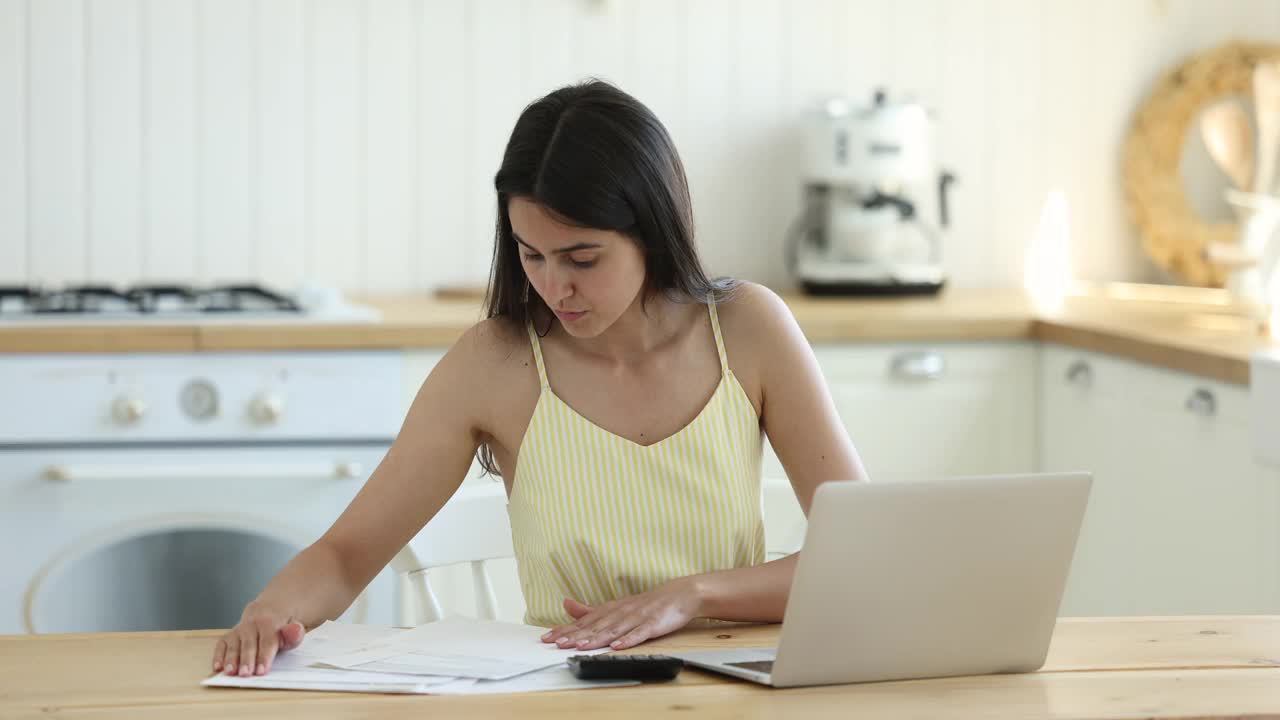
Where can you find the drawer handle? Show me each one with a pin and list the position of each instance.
(920, 365)
(1080, 374)
(340, 470)
(1202, 402)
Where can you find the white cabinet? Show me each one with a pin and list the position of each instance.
(1181, 520)
(933, 410)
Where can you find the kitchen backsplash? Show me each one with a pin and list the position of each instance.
(353, 142)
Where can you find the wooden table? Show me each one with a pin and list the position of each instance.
(1097, 668)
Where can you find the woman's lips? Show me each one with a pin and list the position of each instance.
(569, 316)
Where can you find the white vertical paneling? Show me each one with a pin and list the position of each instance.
(337, 143)
(281, 143)
(13, 142)
(915, 35)
(390, 136)
(815, 51)
(598, 41)
(495, 102)
(964, 118)
(656, 61)
(354, 141)
(56, 141)
(115, 141)
(1068, 162)
(546, 46)
(1109, 247)
(169, 140)
(764, 132)
(1014, 140)
(865, 42)
(443, 148)
(227, 185)
(708, 159)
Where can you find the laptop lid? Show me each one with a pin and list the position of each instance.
(959, 576)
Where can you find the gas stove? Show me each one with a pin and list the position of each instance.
(171, 303)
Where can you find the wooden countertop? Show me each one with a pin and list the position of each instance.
(1205, 667)
(1186, 329)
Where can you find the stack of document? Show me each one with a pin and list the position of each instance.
(450, 657)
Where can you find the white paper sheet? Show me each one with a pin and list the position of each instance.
(292, 669)
(321, 679)
(485, 650)
(493, 648)
(552, 678)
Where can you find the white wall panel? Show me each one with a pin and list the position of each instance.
(13, 143)
(114, 212)
(227, 143)
(282, 180)
(56, 141)
(495, 100)
(444, 81)
(710, 160)
(170, 138)
(391, 136)
(353, 142)
(964, 119)
(338, 241)
(763, 201)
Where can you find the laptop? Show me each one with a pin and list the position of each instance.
(961, 576)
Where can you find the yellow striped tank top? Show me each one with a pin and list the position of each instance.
(597, 517)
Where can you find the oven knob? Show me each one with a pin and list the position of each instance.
(199, 400)
(128, 409)
(266, 408)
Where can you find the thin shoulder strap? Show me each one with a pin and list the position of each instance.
(715, 328)
(537, 355)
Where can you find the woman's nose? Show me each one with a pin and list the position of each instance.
(558, 285)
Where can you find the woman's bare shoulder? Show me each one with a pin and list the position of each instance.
(491, 345)
(753, 315)
(759, 332)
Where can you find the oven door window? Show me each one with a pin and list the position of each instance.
(176, 579)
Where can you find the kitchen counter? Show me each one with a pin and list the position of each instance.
(1187, 329)
(1206, 667)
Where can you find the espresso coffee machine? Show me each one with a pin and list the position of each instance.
(862, 231)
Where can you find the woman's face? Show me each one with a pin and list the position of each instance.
(587, 277)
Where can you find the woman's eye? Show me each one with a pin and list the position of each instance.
(583, 263)
(531, 258)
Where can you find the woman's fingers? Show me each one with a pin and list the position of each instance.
(291, 635)
(605, 633)
(231, 660)
(248, 651)
(219, 651)
(638, 634)
(268, 643)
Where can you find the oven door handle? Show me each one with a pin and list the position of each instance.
(338, 470)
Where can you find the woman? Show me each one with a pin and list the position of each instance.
(619, 393)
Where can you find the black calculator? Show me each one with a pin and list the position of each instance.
(625, 667)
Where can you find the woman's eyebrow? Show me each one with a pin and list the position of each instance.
(559, 251)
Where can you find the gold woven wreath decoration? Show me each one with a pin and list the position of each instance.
(1174, 236)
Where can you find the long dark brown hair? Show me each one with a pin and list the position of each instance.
(597, 158)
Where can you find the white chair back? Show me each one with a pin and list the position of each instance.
(474, 528)
(471, 528)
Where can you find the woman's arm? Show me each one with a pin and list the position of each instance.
(423, 468)
(806, 432)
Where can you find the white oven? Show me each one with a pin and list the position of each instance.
(162, 491)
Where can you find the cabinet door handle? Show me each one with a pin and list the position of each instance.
(1202, 402)
(918, 365)
(1080, 374)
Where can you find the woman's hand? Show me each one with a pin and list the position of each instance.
(629, 621)
(250, 646)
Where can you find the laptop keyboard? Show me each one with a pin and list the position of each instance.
(763, 666)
